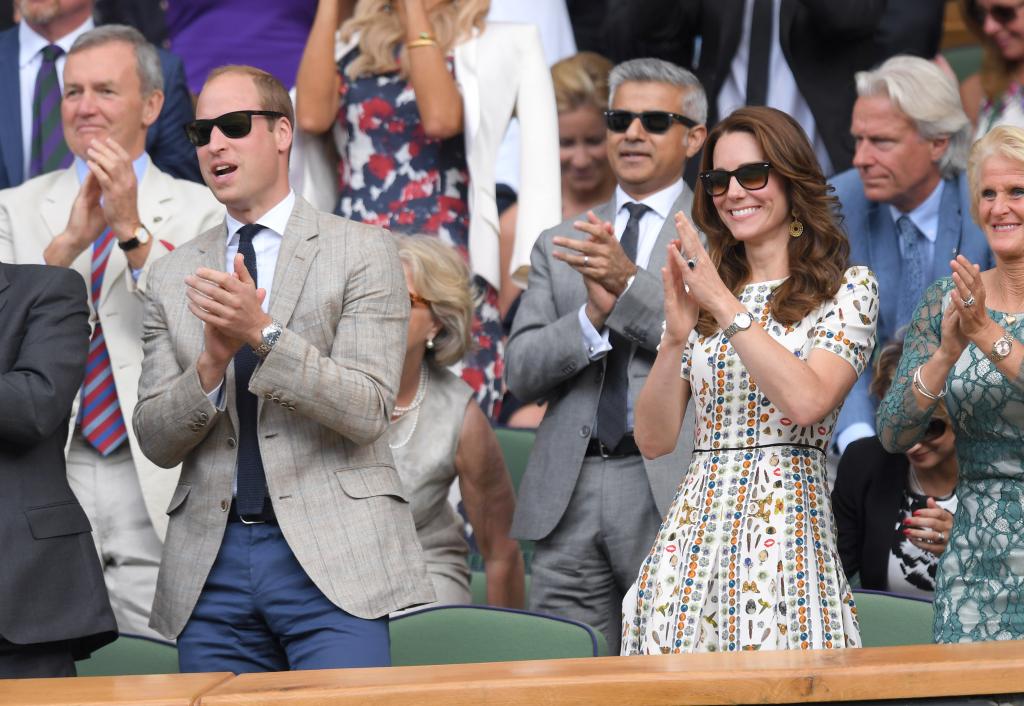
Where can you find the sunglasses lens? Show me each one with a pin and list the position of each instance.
(715, 182)
(618, 120)
(656, 121)
(234, 125)
(752, 176)
(936, 428)
(198, 132)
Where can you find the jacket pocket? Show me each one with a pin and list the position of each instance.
(57, 520)
(371, 482)
(180, 493)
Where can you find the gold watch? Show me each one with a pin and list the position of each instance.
(1002, 347)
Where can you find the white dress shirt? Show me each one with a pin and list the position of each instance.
(30, 58)
(596, 342)
(783, 92)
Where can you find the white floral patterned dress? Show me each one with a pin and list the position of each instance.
(746, 558)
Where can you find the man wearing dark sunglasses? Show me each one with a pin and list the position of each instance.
(905, 203)
(274, 349)
(109, 216)
(584, 339)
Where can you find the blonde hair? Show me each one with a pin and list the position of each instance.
(1003, 140)
(381, 33)
(440, 275)
(581, 80)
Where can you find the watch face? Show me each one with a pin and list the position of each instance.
(1001, 347)
(743, 321)
(142, 235)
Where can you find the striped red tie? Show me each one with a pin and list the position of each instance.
(102, 423)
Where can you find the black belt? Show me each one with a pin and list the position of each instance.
(626, 447)
(266, 517)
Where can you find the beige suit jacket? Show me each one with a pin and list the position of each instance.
(326, 392)
(175, 211)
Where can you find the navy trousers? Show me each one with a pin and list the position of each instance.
(260, 612)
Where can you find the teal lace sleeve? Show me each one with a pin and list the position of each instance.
(901, 422)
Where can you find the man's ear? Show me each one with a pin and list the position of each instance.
(939, 145)
(283, 134)
(695, 138)
(151, 106)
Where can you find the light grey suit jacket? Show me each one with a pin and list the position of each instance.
(546, 358)
(326, 391)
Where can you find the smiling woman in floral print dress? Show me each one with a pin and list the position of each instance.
(772, 330)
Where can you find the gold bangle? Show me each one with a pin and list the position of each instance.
(422, 42)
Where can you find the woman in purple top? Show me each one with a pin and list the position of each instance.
(267, 35)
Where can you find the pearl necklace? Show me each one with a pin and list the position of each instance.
(414, 406)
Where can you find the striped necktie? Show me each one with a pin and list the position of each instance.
(49, 151)
(102, 423)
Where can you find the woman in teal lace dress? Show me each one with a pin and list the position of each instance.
(965, 346)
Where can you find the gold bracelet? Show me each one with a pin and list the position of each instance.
(423, 39)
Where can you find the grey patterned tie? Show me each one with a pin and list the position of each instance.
(913, 254)
(611, 408)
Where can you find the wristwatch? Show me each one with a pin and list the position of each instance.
(271, 332)
(140, 236)
(742, 322)
(1002, 347)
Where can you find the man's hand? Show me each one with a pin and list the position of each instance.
(112, 167)
(229, 301)
(600, 257)
(85, 225)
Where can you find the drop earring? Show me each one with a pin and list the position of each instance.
(796, 226)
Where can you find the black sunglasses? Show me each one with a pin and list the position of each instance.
(236, 124)
(751, 177)
(936, 428)
(656, 122)
(1002, 14)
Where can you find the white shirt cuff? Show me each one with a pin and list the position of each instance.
(858, 430)
(595, 342)
(216, 396)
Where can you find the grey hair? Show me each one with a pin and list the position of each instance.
(924, 93)
(151, 75)
(695, 101)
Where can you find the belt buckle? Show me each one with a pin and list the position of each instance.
(604, 450)
(250, 522)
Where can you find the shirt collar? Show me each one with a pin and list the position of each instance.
(660, 202)
(139, 165)
(276, 219)
(30, 42)
(926, 215)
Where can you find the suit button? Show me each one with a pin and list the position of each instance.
(204, 417)
(231, 442)
(584, 431)
(268, 396)
(224, 504)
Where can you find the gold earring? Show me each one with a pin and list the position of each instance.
(796, 226)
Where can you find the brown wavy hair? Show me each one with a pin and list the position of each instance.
(381, 33)
(995, 71)
(817, 259)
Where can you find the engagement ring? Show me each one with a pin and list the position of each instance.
(691, 263)
(968, 302)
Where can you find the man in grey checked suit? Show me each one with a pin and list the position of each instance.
(273, 350)
(584, 340)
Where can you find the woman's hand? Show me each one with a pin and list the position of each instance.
(953, 339)
(680, 308)
(929, 528)
(702, 280)
(969, 297)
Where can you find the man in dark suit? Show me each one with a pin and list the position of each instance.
(810, 50)
(584, 339)
(53, 604)
(905, 205)
(23, 54)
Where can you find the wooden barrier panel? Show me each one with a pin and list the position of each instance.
(152, 690)
(749, 677)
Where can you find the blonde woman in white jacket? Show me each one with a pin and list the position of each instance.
(417, 95)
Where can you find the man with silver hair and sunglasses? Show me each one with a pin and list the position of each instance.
(905, 204)
(109, 216)
(584, 340)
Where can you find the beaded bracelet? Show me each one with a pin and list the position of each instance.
(919, 386)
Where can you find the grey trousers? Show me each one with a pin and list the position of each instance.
(585, 566)
(129, 549)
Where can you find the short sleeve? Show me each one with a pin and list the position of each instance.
(847, 326)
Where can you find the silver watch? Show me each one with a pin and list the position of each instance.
(1002, 347)
(742, 322)
(271, 332)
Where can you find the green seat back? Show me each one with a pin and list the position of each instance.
(965, 60)
(459, 634)
(515, 447)
(129, 654)
(887, 620)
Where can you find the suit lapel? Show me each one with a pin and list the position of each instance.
(10, 95)
(668, 233)
(298, 248)
(951, 222)
(884, 256)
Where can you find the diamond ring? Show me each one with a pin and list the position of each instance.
(968, 302)
(586, 260)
